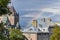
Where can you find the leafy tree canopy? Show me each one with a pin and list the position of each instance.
(2, 29)
(56, 33)
(15, 34)
(4, 3)
(3, 7)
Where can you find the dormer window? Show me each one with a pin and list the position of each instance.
(43, 29)
(40, 25)
(30, 29)
(39, 30)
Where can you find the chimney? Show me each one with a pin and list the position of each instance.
(34, 23)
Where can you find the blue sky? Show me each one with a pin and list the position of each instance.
(33, 9)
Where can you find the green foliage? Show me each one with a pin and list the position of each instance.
(2, 29)
(1, 26)
(56, 33)
(15, 34)
(3, 10)
(3, 7)
(4, 3)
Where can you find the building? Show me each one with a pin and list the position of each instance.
(39, 30)
(12, 19)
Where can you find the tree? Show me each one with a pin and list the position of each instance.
(2, 29)
(3, 7)
(15, 34)
(56, 33)
(3, 11)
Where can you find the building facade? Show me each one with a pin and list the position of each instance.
(40, 30)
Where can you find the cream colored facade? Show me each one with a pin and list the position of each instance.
(34, 23)
(11, 19)
(30, 36)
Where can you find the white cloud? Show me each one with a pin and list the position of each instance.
(32, 14)
(57, 3)
(39, 14)
(27, 16)
(52, 10)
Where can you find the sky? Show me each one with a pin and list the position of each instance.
(33, 9)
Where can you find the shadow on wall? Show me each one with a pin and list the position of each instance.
(25, 38)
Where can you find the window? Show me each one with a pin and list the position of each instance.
(39, 30)
(43, 29)
(40, 25)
